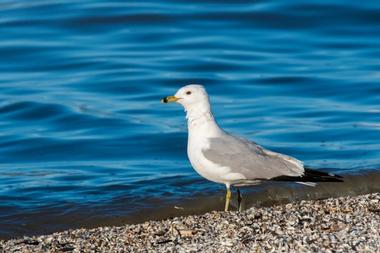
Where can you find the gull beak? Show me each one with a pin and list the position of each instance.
(169, 99)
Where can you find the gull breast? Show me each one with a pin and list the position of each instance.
(208, 169)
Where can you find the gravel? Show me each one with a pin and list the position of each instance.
(346, 224)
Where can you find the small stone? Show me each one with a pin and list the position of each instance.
(187, 233)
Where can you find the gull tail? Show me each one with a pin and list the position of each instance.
(310, 177)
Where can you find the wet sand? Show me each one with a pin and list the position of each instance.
(342, 224)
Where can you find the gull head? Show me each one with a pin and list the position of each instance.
(190, 96)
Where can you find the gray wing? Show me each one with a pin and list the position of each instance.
(251, 160)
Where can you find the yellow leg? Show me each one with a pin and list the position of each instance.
(228, 198)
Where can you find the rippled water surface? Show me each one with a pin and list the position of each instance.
(84, 140)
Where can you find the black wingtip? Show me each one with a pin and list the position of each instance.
(324, 176)
(311, 175)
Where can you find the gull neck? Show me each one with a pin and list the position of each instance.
(200, 120)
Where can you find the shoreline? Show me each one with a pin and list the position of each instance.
(334, 224)
(116, 213)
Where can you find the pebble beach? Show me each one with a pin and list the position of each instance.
(345, 224)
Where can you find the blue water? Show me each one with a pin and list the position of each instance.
(83, 136)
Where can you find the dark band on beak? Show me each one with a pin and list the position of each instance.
(169, 99)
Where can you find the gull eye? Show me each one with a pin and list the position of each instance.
(188, 92)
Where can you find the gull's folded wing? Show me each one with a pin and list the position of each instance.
(251, 160)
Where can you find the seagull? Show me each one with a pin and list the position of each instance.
(230, 160)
